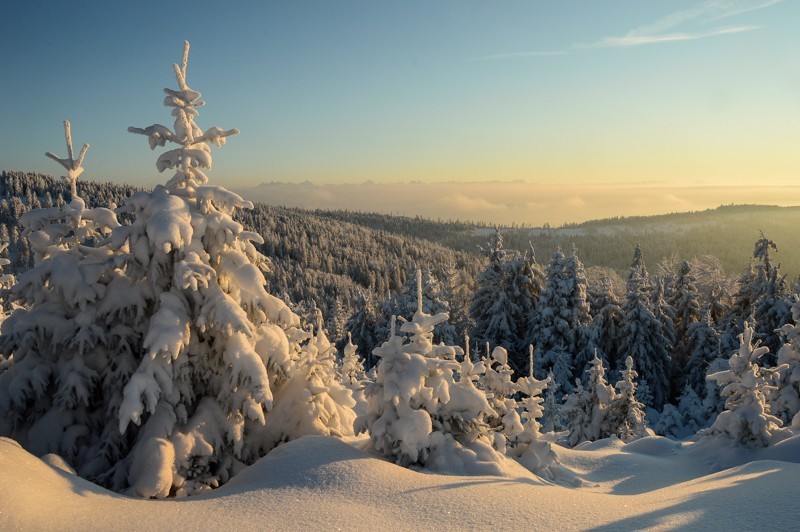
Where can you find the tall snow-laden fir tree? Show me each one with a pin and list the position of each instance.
(457, 290)
(704, 341)
(761, 300)
(488, 292)
(686, 307)
(68, 358)
(587, 341)
(561, 319)
(643, 335)
(664, 313)
(746, 387)
(606, 326)
(506, 297)
(524, 283)
(163, 363)
(362, 327)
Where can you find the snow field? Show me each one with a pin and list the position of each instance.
(320, 482)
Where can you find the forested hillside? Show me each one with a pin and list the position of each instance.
(727, 233)
(317, 262)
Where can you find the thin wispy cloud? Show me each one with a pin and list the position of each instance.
(639, 40)
(669, 28)
(687, 25)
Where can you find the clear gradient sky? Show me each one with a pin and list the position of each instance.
(683, 92)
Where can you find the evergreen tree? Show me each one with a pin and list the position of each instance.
(352, 369)
(761, 300)
(625, 415)
(528, 447)
(643, 335)
(488, 293)
(686, 307)
(786, 400)
(159, 363)
(585, 410)
(606, 326)
(559, 329)
(704, 340)
(456, 289)
(362, 327)
(500, 390)
(746, 386)
(551, 409)
(433, 302)
(416, 409)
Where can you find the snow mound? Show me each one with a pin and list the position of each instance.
(319, 482)
(653, 446)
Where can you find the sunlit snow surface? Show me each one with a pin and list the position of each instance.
(319, 482)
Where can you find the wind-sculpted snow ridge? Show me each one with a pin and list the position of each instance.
(149, 356)
(323, 483)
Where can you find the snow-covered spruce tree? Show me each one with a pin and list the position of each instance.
(746, 387)
(488, 290)
(457, 290)
(524, 283)
(226, 371)
(761, 300)
(68, 357)
(643, 335)
(664, 313)
(587, 341)
(433, 302)
(585, 410)
(685, 306)
(625, 415)
(606, 326)
(168, 363)
(528, 447)
(496, 383)
(671, 423)
(551, 409)
(691, 408)
(786, 400)
(704, 341)
(561, 317)
(505, 297)
(417, 413)
(352, 369)
(7, 280)
(362, 326)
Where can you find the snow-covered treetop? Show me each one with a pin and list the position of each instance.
(194, 153)
(762, 249)
(70, 163)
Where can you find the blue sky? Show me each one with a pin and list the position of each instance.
(548, 92)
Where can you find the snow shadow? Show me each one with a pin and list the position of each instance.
(737, 499)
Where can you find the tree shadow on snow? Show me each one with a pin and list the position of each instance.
(743, 503)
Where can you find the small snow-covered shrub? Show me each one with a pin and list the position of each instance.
(746, 386)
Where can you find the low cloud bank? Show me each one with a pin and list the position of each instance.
(506, 203)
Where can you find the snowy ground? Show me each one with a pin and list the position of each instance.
(324, 483)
